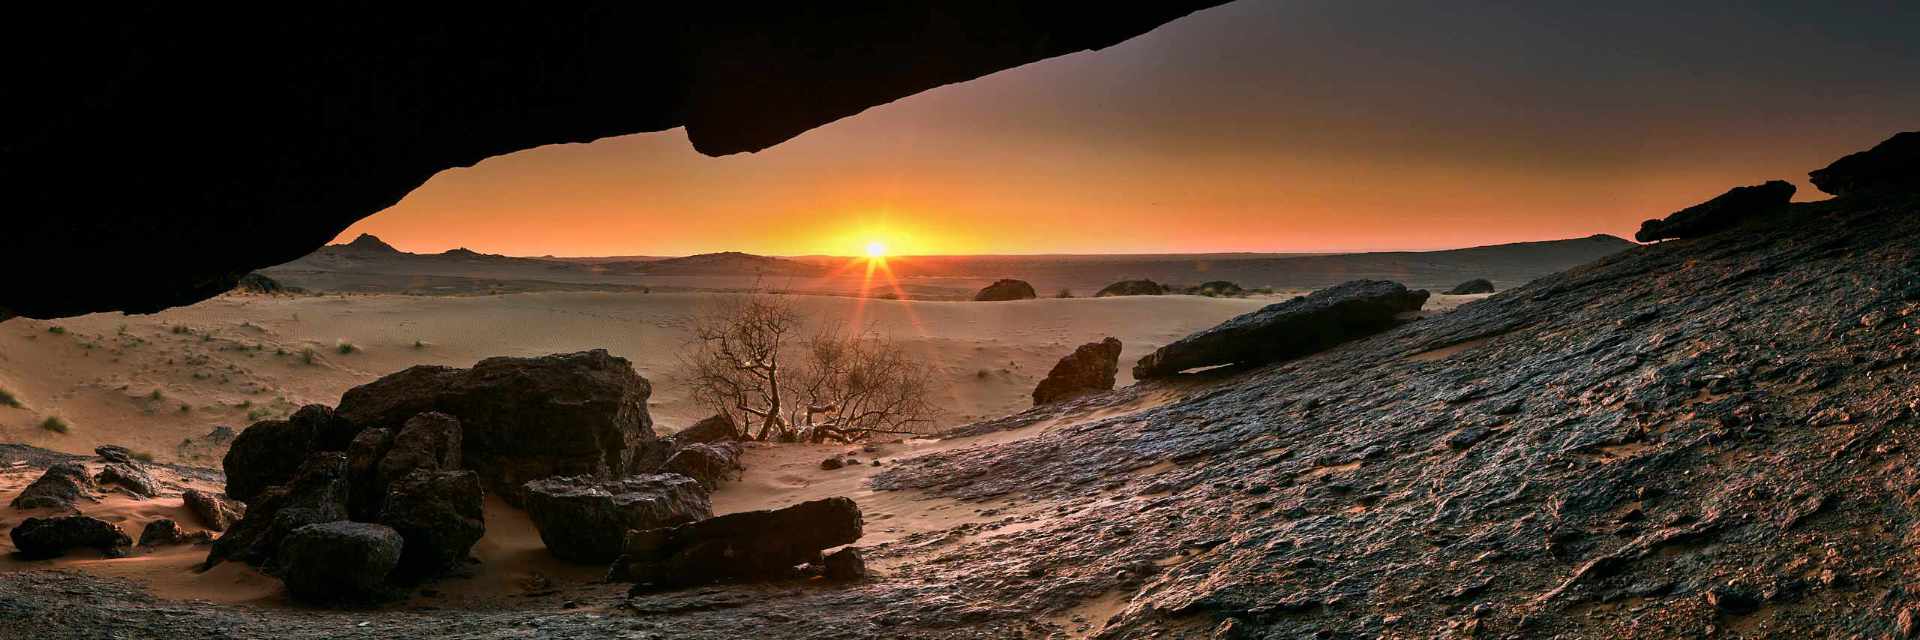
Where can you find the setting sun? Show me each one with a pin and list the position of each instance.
(876, 249)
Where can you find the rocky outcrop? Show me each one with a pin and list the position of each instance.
(269, 452)
(59, 487)
(1089, 369)
(1289, 329)
(1216, 288)
(522, 419)
(1892, 166)
(113, 453)
(214, 510)
(317, 493)
(710, 464)
(417, 91)
(438, 514)
(1003, 290)
(41, 538)
(739, 546)
(1722, 212)
(584, 520)
(1470, 287)
(1132, 288)
(339, 562)
(130, 477)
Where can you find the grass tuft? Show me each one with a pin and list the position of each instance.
(345, 347)
(55, 424)
(7, 399)
(57, 330)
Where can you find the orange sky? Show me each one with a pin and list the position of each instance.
(1259, 126)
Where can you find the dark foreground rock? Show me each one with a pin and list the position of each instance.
(1289, 329)
(339, 562)
(215, 511)
(165, 532)
(59, 487)
(844, 565)
(1891, 167)
(740, 546)
(1089, 369)
(41, 538)
(1003, 290)
(585, 520)
(439, 515)
(316, 494)
(1470, 287)
(1722, 212)
(523, 419)
(130, 477)
(711, 464)
(270, 452)
(716, 428)
(1132, 288)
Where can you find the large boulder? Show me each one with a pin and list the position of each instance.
(1009, 289)
(131, 477)
(1470, 287)
(740, 546)
(270, 451)
(1132, 288)
(583, 519)
(709, 463)
(1289, 329)
(341, 561)
(40, 538)
(317, 493)
(439, 515)
(523, 419)
(58, 488)
(1722, 212)
(1891, 166)
(1089, 369)
(365, 490)
(214, 510)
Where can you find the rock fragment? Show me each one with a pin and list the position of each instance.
(583, 519)
(59, 487)
(1289, 329)
(338, 562)
(1091, 368)
(42, 538)
(752, 545)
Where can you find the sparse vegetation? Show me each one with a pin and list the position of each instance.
(1064, 293)
(156, 395)
(307, 355)
(55, 424)
(345, 347)
(143, 456)
(419, 345)
(57, 330)
(7, 399)
(179, 329)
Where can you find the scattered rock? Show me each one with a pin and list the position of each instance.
(62, 485)
(1289, 329)
(114, 453)
(711, 464)
(1722, 212)
(845, 565)
(41, 538)
(1476, 285)
(1003, 290)
(269, 452)
(1132, 288)
(166, 532)
(131, 477)
(584, 520)
(738, 546)
(1089, 369)
(339, 561)
(214, 510)
(1892, 166)
(832, 463)
(1733, 600)
(438, 514)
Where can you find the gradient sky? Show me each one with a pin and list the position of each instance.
(1264, 125)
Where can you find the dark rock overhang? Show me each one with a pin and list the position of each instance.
(153, 155)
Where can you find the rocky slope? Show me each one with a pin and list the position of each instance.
(1709, 436)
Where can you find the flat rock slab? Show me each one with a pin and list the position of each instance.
(1290, 329)
(1891, 166)
(1722, 212)
(738, 546)
(584, 520)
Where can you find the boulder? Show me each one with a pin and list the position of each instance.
(439, 515)
(429, 441)
(364, 489)
(710, 464)
(270, 451)
(41, 538)
(1290, 329)
(1089, 369)
(214, 510)
(339, 561)
(1722, 212)
(523, 419)
(1470, 287)
(1892, 166)
(317, 493)
(753, 545)
(131, 477)
(166, 532)
(58, 488)
(113, 453)
(718, 428)
(832, 463)
(583, 519)
(1002, 290)
(1132, 288)
(844, 565)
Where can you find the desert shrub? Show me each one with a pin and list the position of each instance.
(57, 330)
(1064, 293)
(156, 395)
(7, 399)
(143, 456)
(419, 345)
(345, 347)
(55, 424)
(308, 356)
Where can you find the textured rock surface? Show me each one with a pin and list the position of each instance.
(1470, 287)
(339, 561)
(710, 464)
(1722, 212)
(59, 487)
(1289, 329)
(1132, 288)
(738, 546)
(438, 514)
(429, 441)
(1089, 369)
(1892, 166)
(1002, 290)
(317, 493)
(129, 477)
(166, 532)
(584, 520)
(523, 419)
(716, 428)
(258, 164)
(269, 452)
(215, 511)
(845, 564)
(38, 538)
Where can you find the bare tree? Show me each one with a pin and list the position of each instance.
(839, 385)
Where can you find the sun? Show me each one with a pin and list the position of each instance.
(876, 249)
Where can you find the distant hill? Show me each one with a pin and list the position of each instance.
(723, 263)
